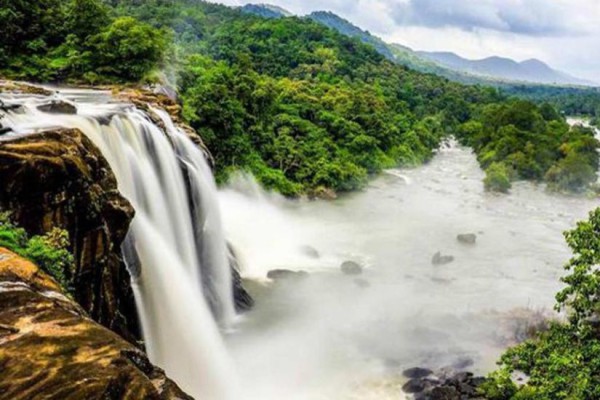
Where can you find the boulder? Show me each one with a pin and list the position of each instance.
(60, 179)
(351, 268)
(4, 130)
(444, 393)
(467, 238)
(51, 349)
(416, 386)
(58, 107)
(439, 259)
(286, 274)
(417, 373)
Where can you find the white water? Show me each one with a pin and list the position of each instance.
(325, 337)
(175, 237)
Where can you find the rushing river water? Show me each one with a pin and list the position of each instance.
(332, 336)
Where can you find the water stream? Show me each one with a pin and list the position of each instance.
(333, 336)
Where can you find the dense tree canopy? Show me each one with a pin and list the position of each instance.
(297, 104)
(54, 40)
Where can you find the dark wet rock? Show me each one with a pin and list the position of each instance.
(467, 238)
(449, 386)
(242, 299)
(4, 130)
(416, 386)
(58, 107)
(60, 179)
(417, 372)
(310, 251)
(362, 283)
(444, 393)
(286, 274)
(351, 268)
(439, 259)
(9, 107)
(55, 351)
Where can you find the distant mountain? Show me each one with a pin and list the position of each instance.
(504, 69)
(347, 28)
(266, 10)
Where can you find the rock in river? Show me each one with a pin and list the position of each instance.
(439, 259)
(467, 238)
(58, 107)
(281, 274)
(351, 268)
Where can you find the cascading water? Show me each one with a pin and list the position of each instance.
(175, 247)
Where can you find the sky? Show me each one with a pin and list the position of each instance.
(563, 33)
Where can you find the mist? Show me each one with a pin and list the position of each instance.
(327, 335)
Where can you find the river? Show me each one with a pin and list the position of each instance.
(332, 336)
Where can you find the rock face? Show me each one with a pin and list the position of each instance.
(50, 349)
(60, 179)
(242, 299)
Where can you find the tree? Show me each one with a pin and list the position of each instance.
(127, 49)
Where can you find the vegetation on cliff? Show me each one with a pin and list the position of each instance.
(50, 251)
(562, 362)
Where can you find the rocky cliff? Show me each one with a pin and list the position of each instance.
(60, 179)
(68, 355)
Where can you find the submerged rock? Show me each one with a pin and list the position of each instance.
(467, 238)
(351, 268)
(50, 349)
(362, 283)
(58, 107)
(310, 251)
(439, 259)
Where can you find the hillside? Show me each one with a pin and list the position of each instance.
(304, 108)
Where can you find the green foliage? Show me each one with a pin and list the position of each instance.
(534, 142)
(299, 105)
(124, 40)
(497, 178)
(49, 252)
(564, 361)
(53, 40)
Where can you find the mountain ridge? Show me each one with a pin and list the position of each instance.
(493, 70)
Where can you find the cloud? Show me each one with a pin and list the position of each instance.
(526, 17)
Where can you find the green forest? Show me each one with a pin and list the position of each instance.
(302, 107)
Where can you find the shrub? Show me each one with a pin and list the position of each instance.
(497, 178)
(49, 252)
(563, 362)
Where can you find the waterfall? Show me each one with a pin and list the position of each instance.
(175, 248)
